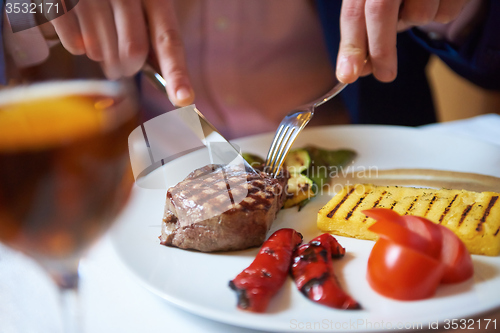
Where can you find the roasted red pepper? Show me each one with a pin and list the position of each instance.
(313, 274)
(267, 273)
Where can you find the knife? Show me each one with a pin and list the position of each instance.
(165, 149)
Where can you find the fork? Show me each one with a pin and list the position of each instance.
(289, 129)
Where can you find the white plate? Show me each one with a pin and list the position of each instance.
(198, 282)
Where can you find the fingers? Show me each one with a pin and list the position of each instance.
(418, 12)
(368, 40)
(369, 28)
(68, 30)
(169, 49)
(381, 27)
(99, 35)
(133, 45)
(367, 69)
(112, 32)
(90, 33)
(449, 10)
(353, 42)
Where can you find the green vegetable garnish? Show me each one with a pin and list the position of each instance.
(326, 164)
(297, 161)
(255, 161)
(310, 169)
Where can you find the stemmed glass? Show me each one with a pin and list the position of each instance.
(64, 172)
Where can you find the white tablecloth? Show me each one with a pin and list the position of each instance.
(113, 301)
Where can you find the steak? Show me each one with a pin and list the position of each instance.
(221, 208)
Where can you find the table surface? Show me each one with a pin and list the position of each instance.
(112, 299)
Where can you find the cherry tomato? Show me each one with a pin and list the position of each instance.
(431, 232)
(450, 250)
(381, 214)
(413, 255)
(402, 273)
(456, 258)
(402, 235)
(415, 232)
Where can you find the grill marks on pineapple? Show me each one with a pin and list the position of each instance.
(396, 205)
(464, 214)
(492, 202)
(447, 209)
(349, 214)
(408, 210)
(473, 216)
(375, 204)
(332, 212)
(434, 198)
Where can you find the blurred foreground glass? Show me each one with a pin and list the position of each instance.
(64, 171)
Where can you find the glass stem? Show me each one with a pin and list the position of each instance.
(65, 275)
(71, 310)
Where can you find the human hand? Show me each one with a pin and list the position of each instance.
(369, 28)
(169, 50)
(114, 33)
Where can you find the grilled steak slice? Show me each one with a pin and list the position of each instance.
(221, 208)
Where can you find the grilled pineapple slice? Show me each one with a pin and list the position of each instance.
(474, 217)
